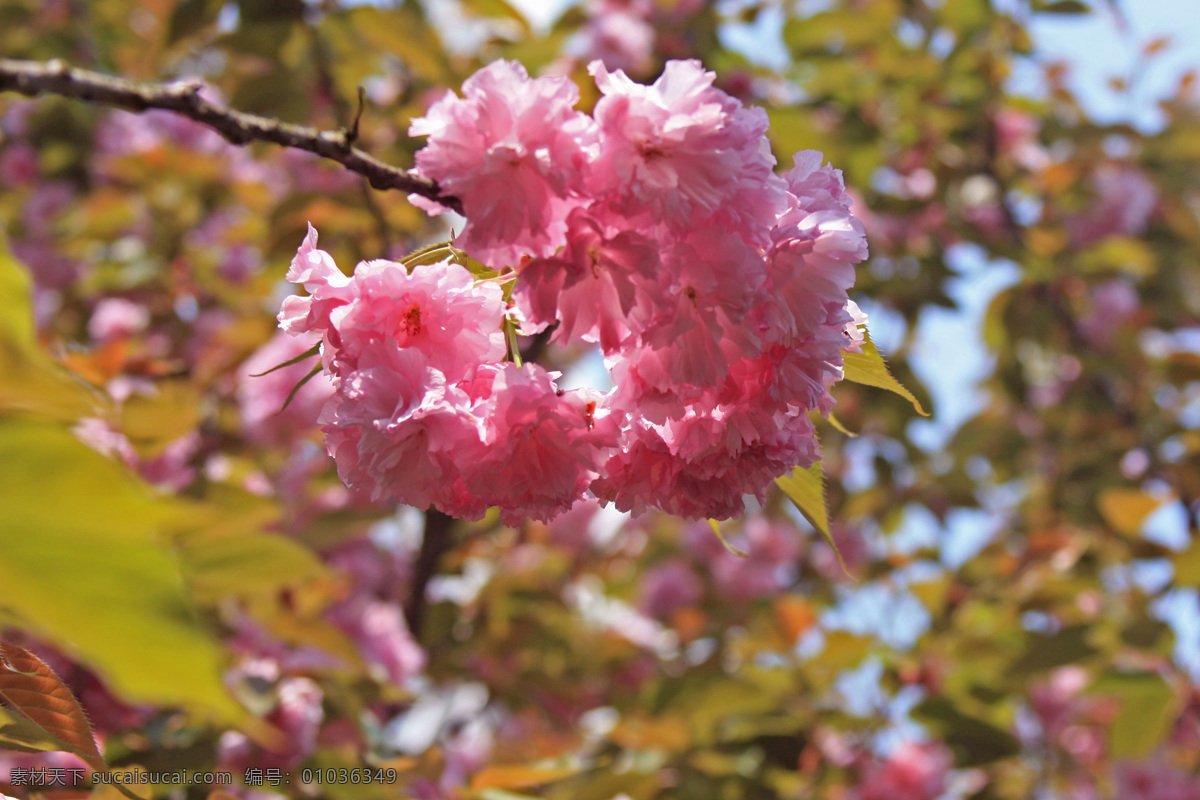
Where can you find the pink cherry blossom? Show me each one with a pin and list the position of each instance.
(667, 588)
(1125, 201)
(684, 152)
(599, 288)
(772, 548)
(117, 318)
(261, 397)
(328, 287)
(1112, 304)
(437, 309)
(514, 150)
(912, 772)
(382, 636)
(299, 715)
(18, 165)
(396, 429)
(716, 289)
(1017, 135)
(543, 446)
(1154, 780)
(619, 34)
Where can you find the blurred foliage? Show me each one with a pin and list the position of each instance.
(200, 580)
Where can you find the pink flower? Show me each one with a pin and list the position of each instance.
(261, 397)
(117, 318)
(912, 772)
(299, 715)
(513, 150)
(18, 165)
(597, 288)
(716, 289)
(771, 547)
(328, 288)
(1125, 201)
(668, 588)
(1154, 780)
(396, 429)
(172, 468)
(1113, 303)
(572, 529)
(1016, 134)
(683, 152)
(543, 446)
(853, 548)
(438, 310)
(379, 630)
(617, 34)
(815, 245)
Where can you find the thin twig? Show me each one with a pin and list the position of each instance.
(320, 59)
(32, 78)
(352, 133)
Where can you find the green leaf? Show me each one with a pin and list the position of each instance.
(32, 382)
(974, 741)
(1187, 566)
(224, 565)
(18, 733)
(153, 422)
(403, 32)
(1120, 254)
(509, 325)
(1059, 649)
(429, 254)
(1149, 708)
(1062, 7)
(806, 488)
(833, 421)
(1125, 509)
(309, 353)
(869, 369)
(192, 16)
(312, 373)
(82, 563)
(839, 427)
(497, 9)
(716, 528)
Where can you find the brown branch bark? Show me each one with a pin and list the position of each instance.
(436, 542)
(33, 78)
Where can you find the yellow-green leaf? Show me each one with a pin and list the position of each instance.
(1187, 566)
(218, 566)
(869, 369)
(806, 488)
(1125, 509)
(18, 733)
(82, 563)
(519, 776)
(1149, 707)
(833, 421)
(30, 381)
(716, 528)
(153, 422)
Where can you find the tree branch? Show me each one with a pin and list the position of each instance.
(32, 78)
(435, 543)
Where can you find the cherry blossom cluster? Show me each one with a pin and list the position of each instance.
(655, 228)
(425, 409)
